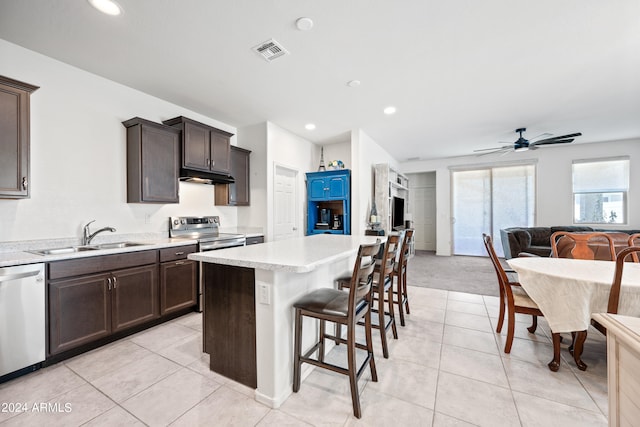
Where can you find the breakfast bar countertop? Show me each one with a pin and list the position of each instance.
(297, 255)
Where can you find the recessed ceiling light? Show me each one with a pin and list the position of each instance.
(390, 110)
(353, 83)
(304, 24)
(108, 7)
(309, 126)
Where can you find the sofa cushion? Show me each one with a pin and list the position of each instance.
(539, 236)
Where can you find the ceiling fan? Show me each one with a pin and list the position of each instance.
(523, 144)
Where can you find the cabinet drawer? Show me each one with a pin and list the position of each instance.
(178, 252)
(98, 264)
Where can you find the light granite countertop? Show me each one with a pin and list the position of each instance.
(20, 255)
(298, 255)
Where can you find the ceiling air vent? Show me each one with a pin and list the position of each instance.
(270, 50)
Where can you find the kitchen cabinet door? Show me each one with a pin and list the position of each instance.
(79, 311)
(220, 152)
(134, 296)
(153, 162)
(14, 138)
(197, 147)
(178, 285)
(236, 194)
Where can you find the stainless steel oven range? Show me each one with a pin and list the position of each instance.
(204, 229)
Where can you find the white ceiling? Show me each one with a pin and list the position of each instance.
(462, 74)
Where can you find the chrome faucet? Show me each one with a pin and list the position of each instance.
(87, 236)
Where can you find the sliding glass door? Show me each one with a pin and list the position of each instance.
(488, 199)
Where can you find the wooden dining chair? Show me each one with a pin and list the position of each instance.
(515, 298)
(614, 293)
(344, 308)
(634, 240)
(565, 244)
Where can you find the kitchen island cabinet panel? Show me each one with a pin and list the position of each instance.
(134, 297)
(230, 332)
(79, 312)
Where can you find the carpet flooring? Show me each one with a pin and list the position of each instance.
(469, 274)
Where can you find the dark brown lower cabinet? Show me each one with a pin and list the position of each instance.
(134, 297)
(79, 311)
(178, 285)
(85, 309)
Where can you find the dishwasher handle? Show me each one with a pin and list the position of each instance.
(9, 277)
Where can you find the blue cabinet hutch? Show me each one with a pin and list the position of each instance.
(329, 193)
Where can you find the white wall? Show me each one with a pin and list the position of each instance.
(554, 202)
(254, 138)
(337, 151)
(78, 156)
(365, 154)
(293, 152)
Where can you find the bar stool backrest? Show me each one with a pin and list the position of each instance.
(362, 277)
(389, 258)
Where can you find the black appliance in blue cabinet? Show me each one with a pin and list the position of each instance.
(329, 202)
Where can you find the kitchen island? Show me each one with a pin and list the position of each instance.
(249, 294)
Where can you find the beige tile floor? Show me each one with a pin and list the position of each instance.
(446, 369)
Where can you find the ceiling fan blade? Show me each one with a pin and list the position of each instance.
(487, 151)
(540, 137)
(555, 141)
(549, 140)
(494, 148)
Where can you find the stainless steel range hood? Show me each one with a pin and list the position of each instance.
(187, 175)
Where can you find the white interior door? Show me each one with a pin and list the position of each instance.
(424, 217)
(285, 204)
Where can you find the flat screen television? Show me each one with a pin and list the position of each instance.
(397, 212)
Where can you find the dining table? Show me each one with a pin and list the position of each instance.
(568, 291)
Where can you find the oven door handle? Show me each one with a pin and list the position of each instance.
(210, 246)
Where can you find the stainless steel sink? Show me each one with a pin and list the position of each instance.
(65, 250)
(74, 249)
(117, 245)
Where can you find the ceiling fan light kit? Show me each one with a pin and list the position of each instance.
(523, 144)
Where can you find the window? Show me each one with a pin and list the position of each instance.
(600, 191)
(488, 199)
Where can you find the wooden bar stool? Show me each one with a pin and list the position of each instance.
(341, 308)
(400, 274)
(382, 292)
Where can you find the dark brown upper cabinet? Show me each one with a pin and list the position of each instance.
(236, 194)
(14, 138)
(204, 148)
(153, 162)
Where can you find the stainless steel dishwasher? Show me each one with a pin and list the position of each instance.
(22, 324)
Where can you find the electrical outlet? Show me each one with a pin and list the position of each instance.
(264, 296)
